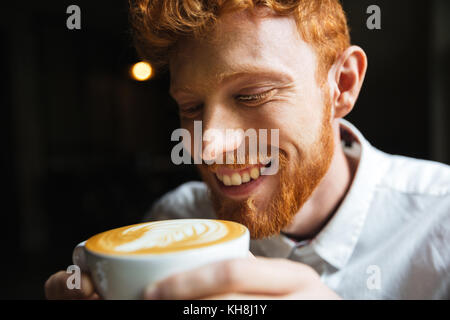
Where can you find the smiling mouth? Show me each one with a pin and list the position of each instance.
(240, 182)
(239, 177)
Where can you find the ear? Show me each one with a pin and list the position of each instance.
(346, 78)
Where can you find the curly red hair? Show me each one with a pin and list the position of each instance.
(157, 25)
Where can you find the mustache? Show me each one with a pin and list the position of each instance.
(232, 160)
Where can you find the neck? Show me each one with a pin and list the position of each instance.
(327, 197)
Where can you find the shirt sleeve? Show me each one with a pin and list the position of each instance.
(439, 252)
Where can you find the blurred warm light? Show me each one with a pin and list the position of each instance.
(141, 71)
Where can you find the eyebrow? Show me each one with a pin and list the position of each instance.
(242, 71)
(253, 71)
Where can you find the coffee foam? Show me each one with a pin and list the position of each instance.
(165, 236)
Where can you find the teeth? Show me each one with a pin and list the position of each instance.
(236, 179)
(226, 180)
(254, 173)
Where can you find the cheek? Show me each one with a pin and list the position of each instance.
(302, 126)
(298, 131)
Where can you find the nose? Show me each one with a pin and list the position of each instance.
(222, 132)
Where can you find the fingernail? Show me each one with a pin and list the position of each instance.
(151, 293)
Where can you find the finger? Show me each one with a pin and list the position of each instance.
(56, 287)
(241, 296)
(298, 295)
(94, 296)
(317, 292)
(256, 276)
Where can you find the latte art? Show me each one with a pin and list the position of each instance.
(165, 236)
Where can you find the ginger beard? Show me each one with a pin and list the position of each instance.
(298, 177)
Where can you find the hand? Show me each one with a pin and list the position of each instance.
(56, 288)
(257, 278)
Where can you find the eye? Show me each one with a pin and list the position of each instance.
(255, 98)
(190, 111)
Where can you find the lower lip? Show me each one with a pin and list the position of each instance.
(241, 191)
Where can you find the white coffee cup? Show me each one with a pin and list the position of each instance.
(126, 274)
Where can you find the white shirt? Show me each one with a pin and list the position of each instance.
(389, 239)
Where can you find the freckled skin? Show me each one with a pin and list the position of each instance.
(244, 58)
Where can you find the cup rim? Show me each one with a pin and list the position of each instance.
(105, 254)
(149, 256)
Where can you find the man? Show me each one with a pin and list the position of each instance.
(339, 219)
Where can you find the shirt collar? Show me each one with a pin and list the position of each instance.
(337, 240)
(278, 246)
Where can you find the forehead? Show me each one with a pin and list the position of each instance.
(241, 42)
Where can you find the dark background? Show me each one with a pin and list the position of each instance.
(85, 148)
